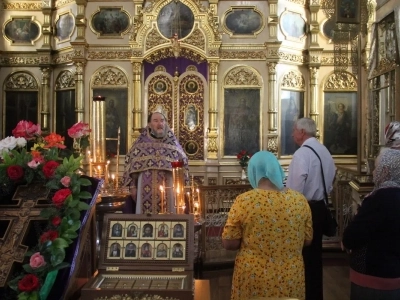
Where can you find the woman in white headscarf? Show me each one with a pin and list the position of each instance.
(373, 236)
(269, 225)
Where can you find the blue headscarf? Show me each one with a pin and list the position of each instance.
(264, 164)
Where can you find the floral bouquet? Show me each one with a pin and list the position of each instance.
(243, 158)
(42, 163)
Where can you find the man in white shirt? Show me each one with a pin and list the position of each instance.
(305, 176)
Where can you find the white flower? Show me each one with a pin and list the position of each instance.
(9, 143)
(21, 142)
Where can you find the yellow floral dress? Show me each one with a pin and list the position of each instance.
(272, 226)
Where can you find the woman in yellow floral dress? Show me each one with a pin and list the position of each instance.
(269, 225)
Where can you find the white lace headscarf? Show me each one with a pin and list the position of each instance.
(387, 170)
(392, 135)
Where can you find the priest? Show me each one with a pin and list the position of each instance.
(148, 167)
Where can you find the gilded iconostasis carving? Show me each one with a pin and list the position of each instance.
(196, 62)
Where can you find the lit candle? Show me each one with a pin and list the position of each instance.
(162, 198)
(106, 172)
(198, 199)
(90, 167)
(112, 179)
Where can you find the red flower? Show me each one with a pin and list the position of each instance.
(56, 221)
(50, 235)
(26, 129)
(15, 172)
(54, 140)
(60, 196)
(49, 168)
(28, 283)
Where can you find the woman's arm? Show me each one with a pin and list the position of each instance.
(231, 244)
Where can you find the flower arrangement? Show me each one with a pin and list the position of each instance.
(243, 158)
(42, 163)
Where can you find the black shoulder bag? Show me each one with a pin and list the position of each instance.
(330, 224)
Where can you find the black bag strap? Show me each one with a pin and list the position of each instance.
(322, 171)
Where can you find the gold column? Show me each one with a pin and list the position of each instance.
(79, 91)
(212, 148)
(45, 112)
(314, 96)
(314, 25)
(272, 98)
(137, 98)
(98, 129)
(272, 144)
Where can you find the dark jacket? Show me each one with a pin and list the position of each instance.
(374, 235)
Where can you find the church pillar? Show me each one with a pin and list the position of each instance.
(45, 97)
(79, 91)
(314, 96)
(212, 148)
(272, 144)
(137, 98)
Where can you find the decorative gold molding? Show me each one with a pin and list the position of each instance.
(259, 55)
(63, 58)
(384, 66)
(60, 3)
(213, 21)
(160, 69)
(24, 59)
(164, 53)
(341, 81)
(196, 39)
(109, 76)
(301, 2)
(292, 57)
(242, 76)
(35, 6)
(153, 39)
(272, 144)
(20, 81)
(294, 80)
(65, 80)
(135, 297)
(109, 55)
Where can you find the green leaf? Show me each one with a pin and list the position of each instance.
(46, 213)
(74, 225)
(84, 182)
(28, 268)
(73, 213)
(60, 243)
(70, 234)
(57, 256)
(83, 206)
(48, 284)
(85, 195)
(13, 284)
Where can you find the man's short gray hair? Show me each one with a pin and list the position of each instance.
(308, 125)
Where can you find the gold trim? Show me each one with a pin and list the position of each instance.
(136, 296)
(65, 80)
(342, 81)
(21, 81)
(30, 6)
(293, 80)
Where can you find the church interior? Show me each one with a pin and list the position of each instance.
(229, 77)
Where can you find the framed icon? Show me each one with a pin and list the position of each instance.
(191, 117)
(178, 251)
(191, 86)
(65, 24)
(163, 231)
(130, 250)
(110, 22)
(114, 250)
(132, 231)
(178, 231)
(244, 21)
(160, 87)
(116, 230)
(146, 250)
(147, 230)
(22, 30)
(162, 250)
